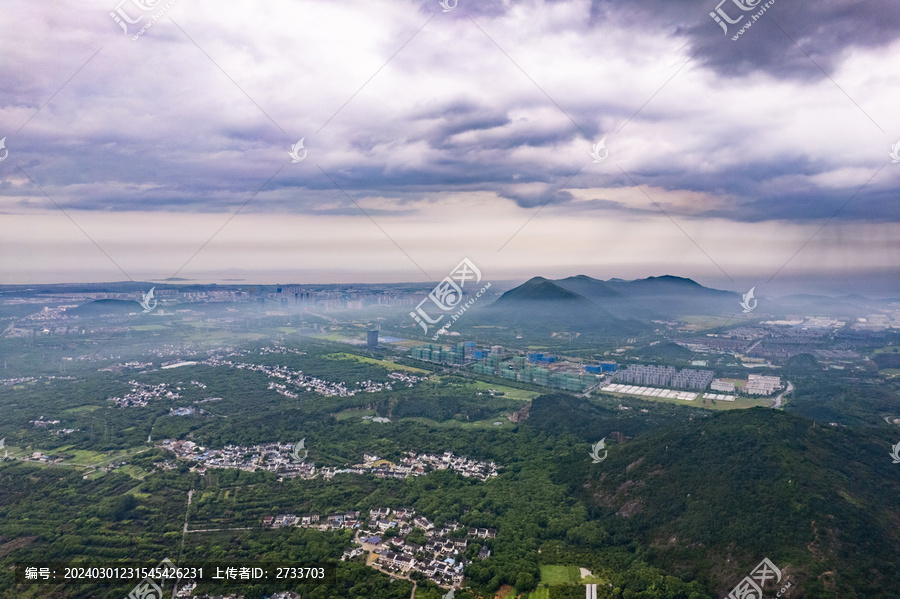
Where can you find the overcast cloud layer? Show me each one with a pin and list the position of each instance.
(435, 134)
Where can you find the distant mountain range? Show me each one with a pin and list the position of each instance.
(581, 302)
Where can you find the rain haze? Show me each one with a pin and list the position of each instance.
(427, 134)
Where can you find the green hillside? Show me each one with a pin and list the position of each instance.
(716, 495)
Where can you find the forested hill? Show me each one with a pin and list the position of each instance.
(596, 301)
(713, 496)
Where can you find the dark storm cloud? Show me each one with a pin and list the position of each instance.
(157, 125)
(825, 29)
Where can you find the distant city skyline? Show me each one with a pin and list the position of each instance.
(875, 285)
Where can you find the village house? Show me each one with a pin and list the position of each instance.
(404, 513)
(483, 533)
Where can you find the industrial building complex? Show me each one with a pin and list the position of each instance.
(546, 370)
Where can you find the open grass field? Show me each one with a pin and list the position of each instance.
(382, 363)
(134, 491)
(889, 349)
(740, 403)
(133, 471)
(351, 414)
(81, 409)
(481, 424)
(738, 383)
(148, 327)
(83, 459)
(511, 392)
(327, 337)
(554, 575)
(702, 323)
(405, 343)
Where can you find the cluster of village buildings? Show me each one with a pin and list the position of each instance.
(280, 349)
(296, 379)
(441, 559)
(18, 380)
(415, 464)
(271, 457)
(22, 380)
(135, 365)
(283, 390)
(185, 592)
(281, 595)
(290, 461)
(142, 393)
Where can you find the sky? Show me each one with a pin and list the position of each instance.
(554, 138)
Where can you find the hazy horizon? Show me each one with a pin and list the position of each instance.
(535, 138)
(873, 285)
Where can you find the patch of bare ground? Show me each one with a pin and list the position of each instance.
(15, 544)
(630, 508)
